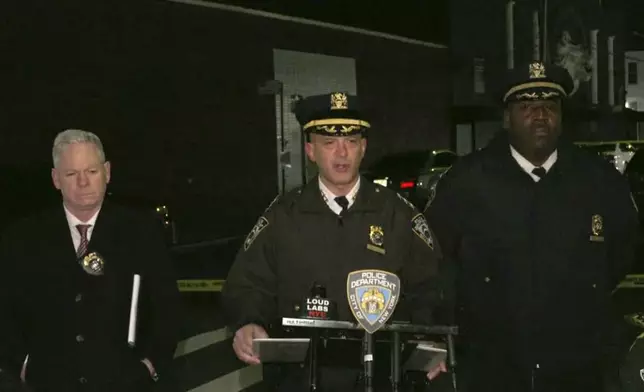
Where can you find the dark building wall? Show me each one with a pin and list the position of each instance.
(481, 32)
(477, 30)
(172, 91)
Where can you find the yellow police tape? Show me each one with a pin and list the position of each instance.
(200, 285)
(631, 282)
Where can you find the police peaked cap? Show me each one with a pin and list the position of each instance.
(333, 114)
(537, 81)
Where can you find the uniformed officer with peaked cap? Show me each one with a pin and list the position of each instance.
(538, 232)
(334, 224)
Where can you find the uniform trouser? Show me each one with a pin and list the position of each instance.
(481, 373)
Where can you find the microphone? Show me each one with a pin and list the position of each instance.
(317, 306)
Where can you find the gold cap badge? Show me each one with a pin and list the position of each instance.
(339, 101)
(537, 70)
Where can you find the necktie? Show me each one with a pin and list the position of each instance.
(342, 202)
(539, 172)
(82, 247)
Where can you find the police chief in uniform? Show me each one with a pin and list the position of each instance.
(66, 286)
(539, 232)
(322, 231)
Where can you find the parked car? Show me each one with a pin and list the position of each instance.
(411, 173)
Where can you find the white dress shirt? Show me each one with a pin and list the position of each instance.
(528, 167)
(72, 221)
(329, 197)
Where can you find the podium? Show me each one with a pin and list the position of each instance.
(303, 336)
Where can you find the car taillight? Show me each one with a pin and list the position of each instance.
(407, 184)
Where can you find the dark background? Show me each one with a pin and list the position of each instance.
(171, 89)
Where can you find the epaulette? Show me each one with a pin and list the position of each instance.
(433, 184)
(407, 202)
(286, 200)
(291, 197)
(272, 204)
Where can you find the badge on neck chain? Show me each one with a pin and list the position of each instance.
(93, 264)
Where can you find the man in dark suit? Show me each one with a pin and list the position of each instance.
(67, 278)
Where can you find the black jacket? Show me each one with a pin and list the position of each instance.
(74, 326)
(535, 263)
(299, 240)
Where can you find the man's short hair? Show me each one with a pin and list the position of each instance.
(71, 136)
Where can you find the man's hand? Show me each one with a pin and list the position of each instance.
(435, 372)
(243, 343)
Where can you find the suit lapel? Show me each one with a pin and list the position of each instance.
(100, 241)
(62, 235)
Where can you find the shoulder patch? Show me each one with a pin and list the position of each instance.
(421, 228)
(405, 201)
(261, 224)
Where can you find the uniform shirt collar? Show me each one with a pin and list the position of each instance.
(72, 220)
(329, 197)
(528, 167)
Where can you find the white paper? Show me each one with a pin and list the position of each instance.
(136, 286)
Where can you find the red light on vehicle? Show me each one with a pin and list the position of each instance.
(407, 184)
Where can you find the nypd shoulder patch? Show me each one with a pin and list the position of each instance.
(261, 224)
(421, 228)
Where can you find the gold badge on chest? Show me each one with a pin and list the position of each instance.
(376, 239)
(597, 228)
(93, 263)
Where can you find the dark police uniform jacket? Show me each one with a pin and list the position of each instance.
(299, 241)
(73, 325)
(536, 261)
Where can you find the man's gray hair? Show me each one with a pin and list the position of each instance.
(71, 136)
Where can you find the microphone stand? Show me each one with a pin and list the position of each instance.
(313, 361)
(395, 362)
(317, 291)
(452, 360)
(367, 348)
